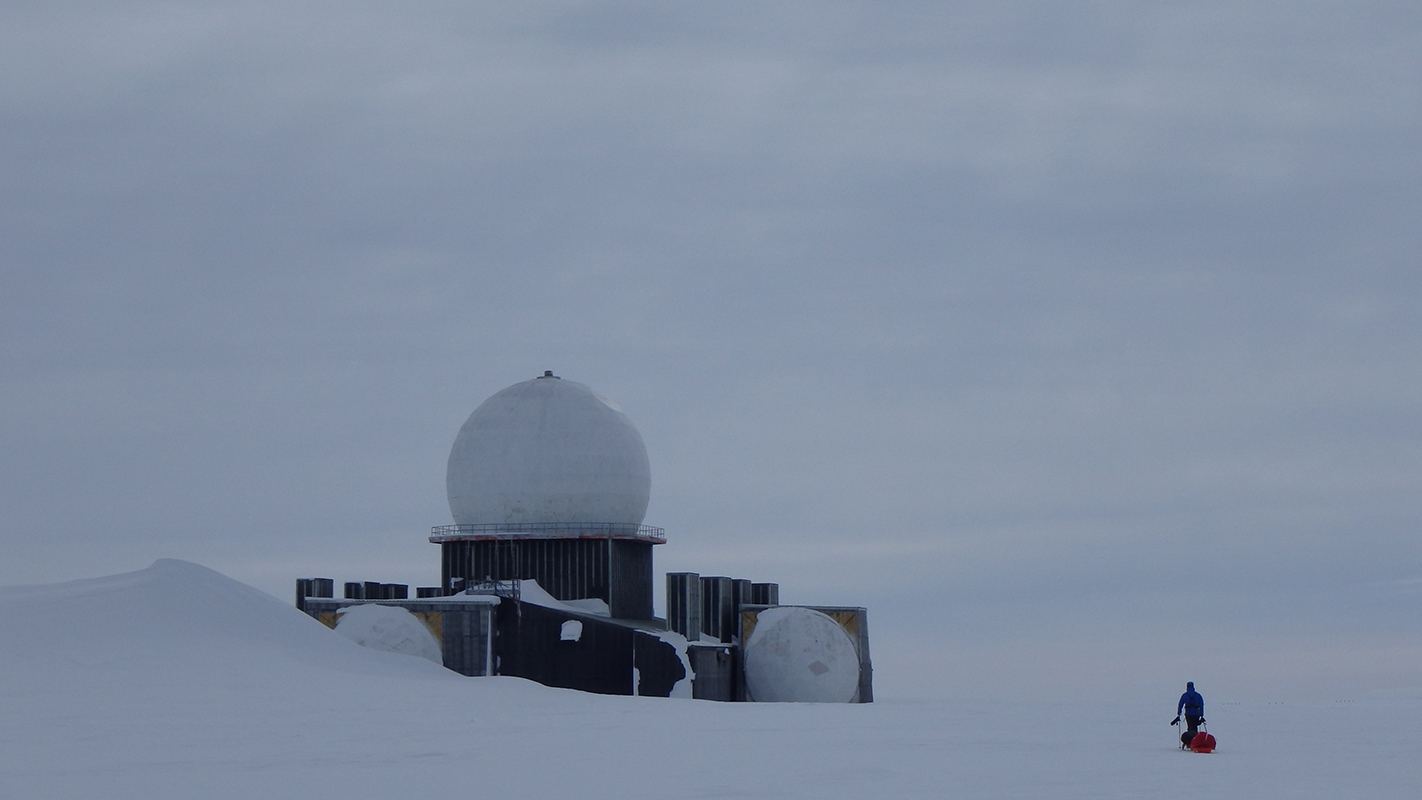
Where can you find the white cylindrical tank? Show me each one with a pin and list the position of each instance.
(548, 451)
(799, 655)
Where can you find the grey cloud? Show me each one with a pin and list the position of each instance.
(997, 311)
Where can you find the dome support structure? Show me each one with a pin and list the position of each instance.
(614, 569)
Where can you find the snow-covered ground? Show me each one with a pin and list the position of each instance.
(177, 682)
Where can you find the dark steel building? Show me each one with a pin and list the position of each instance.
(571, 561)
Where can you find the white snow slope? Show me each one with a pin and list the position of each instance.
(176, 682)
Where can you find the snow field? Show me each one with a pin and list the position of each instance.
(178, 682)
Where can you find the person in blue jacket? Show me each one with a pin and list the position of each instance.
(1193, 707)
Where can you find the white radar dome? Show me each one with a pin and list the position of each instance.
(548, 451)
(799, 655)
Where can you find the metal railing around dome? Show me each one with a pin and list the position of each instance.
(548, 530)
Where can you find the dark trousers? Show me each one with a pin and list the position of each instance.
(1192, 727)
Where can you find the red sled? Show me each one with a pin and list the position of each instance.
(1203, 743)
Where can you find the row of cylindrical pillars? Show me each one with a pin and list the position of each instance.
(360, 590)
(711, 605)
(374, 590)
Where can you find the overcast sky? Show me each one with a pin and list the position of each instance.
(1080, 342)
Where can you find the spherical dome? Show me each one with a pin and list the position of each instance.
(799, 655)
(548, 450)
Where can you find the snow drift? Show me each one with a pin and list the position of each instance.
(175, 681)
(177, 616)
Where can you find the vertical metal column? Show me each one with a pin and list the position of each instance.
(740, 596)
(486, 619)
(684, 604)
(717, 607)
(765, 594)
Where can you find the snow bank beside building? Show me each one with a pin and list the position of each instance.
(176, 681)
